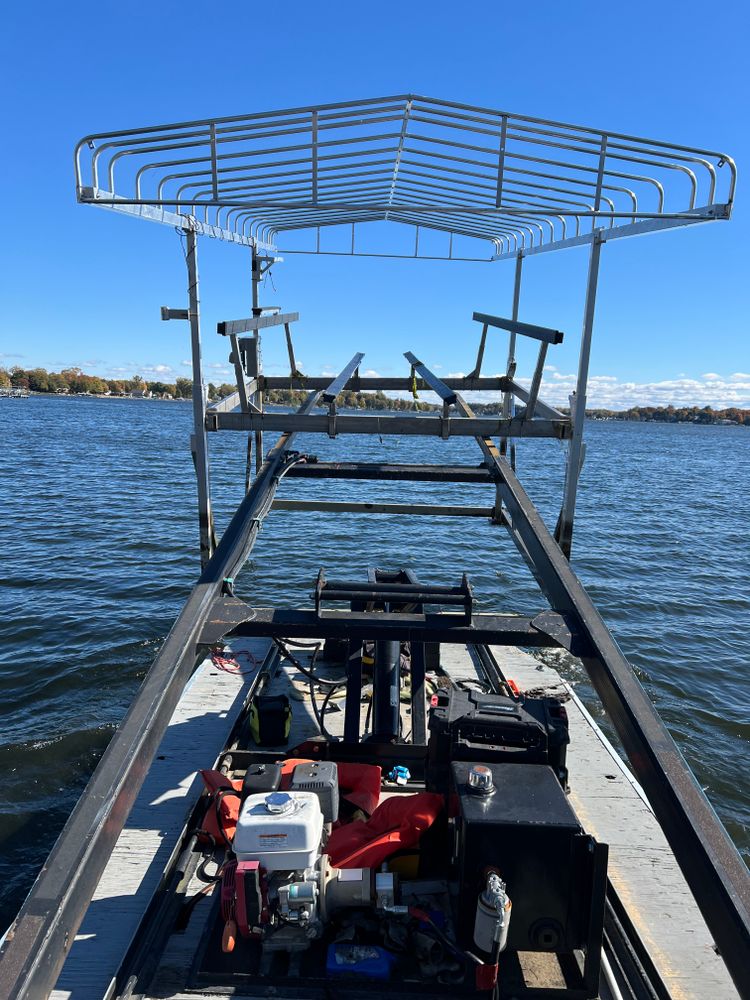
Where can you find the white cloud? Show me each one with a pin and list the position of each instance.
(157, 369)
(186, 364)
(370, 373)
(456, 374)
(608, 392)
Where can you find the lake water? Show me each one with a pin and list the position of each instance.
(100, 550)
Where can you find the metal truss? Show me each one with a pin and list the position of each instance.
(511, 181)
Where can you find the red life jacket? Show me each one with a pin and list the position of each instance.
(397, 823)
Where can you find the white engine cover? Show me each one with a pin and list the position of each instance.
(281, 830)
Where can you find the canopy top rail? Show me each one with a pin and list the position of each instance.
(514, 183)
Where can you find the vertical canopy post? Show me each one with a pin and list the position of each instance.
(509, 406)
(564, 529)
(199, 441)
(256, 274)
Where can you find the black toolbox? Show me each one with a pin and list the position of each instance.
(472, 725)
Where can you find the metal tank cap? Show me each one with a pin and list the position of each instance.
(279, 802)
(480, 780)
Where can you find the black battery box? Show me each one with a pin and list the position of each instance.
(472, 725)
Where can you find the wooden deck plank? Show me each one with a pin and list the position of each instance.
(197, 733)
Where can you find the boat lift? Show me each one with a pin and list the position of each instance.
(497, 186)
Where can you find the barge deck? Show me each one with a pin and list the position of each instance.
(644, 877)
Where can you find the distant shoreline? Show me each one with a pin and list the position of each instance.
(656, 415)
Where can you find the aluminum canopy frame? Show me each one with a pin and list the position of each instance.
(517, 185)
(510, 181)
(503, 185)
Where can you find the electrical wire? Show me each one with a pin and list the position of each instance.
(323, 708)
(307, 671)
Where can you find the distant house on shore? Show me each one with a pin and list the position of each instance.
(140, 393)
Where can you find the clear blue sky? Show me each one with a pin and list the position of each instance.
(82, 286)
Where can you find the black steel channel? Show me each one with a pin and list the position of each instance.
(392, 472)
(304, 623)
(711, 864)
(37, 942)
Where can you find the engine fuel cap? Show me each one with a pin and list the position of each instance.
(480, 780)
(278, 802)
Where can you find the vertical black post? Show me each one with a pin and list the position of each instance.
(418, 707)
(386, 690)
(353, 692)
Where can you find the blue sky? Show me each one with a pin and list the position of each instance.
(82, 286)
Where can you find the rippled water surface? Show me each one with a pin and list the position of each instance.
(99, 551)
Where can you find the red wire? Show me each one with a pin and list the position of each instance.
(230, 664)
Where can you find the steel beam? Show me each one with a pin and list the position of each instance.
(232, 401)
(358, 383)
(334, 388)
(235, 327)
(544, 409)
(392, 472)
(388, 425)
(365, 507)
(437, 385)
(542, 333)
(35, 947)
(230, 616)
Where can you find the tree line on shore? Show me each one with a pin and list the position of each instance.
(73, 380)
